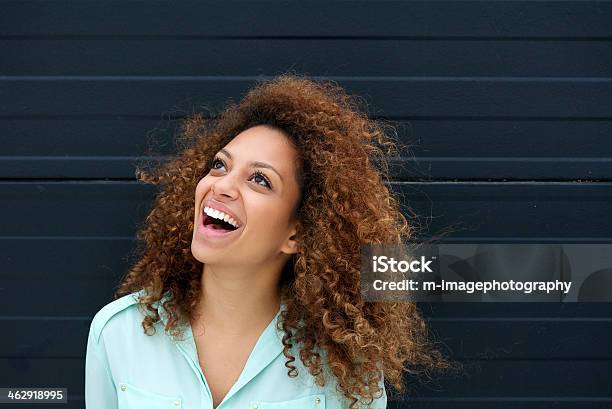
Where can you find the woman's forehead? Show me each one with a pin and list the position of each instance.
(263, 144)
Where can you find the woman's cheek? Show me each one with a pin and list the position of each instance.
(201, 187)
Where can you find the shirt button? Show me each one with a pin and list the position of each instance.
(123, 387)
(317, 401)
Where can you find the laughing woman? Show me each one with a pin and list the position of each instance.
(247, 291)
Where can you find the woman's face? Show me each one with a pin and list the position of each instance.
(252, 180)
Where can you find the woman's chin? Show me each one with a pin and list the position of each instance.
(215, 252)
(206, 256)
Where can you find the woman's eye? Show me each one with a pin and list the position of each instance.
(215, 161)
(262, 178)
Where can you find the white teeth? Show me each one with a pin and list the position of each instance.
(220, 215)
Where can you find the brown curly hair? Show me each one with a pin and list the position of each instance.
(344, 203)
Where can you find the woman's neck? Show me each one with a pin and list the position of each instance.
(237, 302)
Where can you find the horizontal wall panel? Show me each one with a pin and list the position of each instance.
(309, 19)
(495, 149)
(322, 57)
(79, 167)
(528, 339)
(91, 258)
(496, 168)
(479, 379)
(82, 148)
(497, 403)
(512, 210)
(56, 297)
(37, 337)
(469, 210)
(71, 208)
(395, 97)
(564, 312)
(524, 378)
(92, 138)
(74, 402)
(44, 372)
(505, 149)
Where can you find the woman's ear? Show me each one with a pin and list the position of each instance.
(291, 245)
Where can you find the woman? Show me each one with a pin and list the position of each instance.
(251, 266)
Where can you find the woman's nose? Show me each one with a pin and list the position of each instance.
(226, 186)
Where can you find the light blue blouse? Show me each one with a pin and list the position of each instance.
(127, 369)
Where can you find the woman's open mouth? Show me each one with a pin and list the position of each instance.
(212, 226)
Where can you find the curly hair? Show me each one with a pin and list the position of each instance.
(344, 203)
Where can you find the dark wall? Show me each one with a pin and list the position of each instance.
(507, 107)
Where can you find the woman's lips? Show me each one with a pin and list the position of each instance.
(210, 232)
(218, 206)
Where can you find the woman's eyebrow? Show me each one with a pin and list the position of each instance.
(255, 163)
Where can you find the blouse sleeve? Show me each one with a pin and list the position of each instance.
(100, 391)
